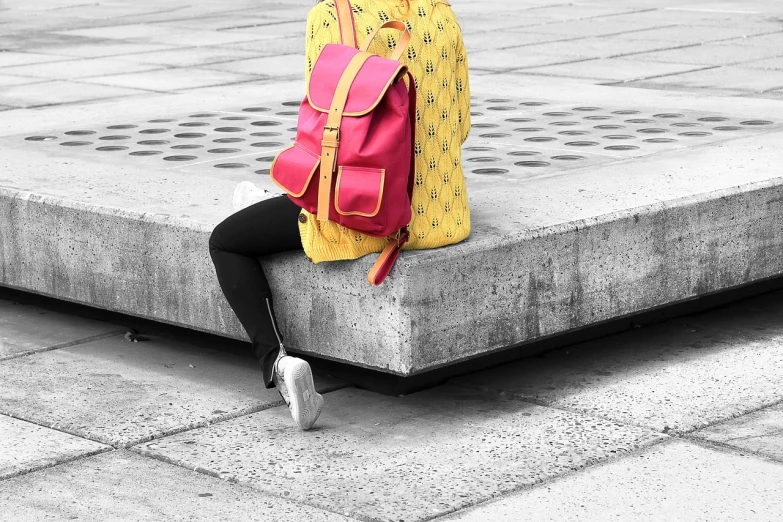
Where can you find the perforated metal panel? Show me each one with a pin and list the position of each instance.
(515, 138)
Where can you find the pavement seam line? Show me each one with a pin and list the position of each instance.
(49, 465)
(154, 455)
(716, 444)
(66, 344)
(597, 463)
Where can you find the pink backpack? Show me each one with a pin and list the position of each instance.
(352, 162)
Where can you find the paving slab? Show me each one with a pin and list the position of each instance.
(188, 57)
(121, 393)
(28, 329)
(712, 54)
(672, 481)
(8, 80)
(90, 50)
(599, 47)
(675, 377)
(26, 447)
(11, 58)
(167, 80)
(760, 432)
(616, 69)
(271, 46)
(124, 486)
(719, 78)
(56, 92)
(401, 458)
(68, 69)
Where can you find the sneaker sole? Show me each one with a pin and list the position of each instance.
(305, 403)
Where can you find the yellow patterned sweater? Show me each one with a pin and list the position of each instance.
(436, 57)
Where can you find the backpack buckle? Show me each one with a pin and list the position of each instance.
(335, 129)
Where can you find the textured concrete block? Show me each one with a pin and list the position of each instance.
(122, 393)
(409, 458)
(679, 376)
(26, 447)
(27, 329)
(124, 486)
(673, 481)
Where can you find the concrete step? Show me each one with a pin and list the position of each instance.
(625, 212)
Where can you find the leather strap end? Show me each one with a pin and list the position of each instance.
(383, 266)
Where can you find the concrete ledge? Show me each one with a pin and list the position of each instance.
(549, 253)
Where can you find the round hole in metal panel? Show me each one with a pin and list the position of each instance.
(652, 131)
(229, 129)
(582, 143)
(595, 118)
(620, 137)
(568, 157)
(266, 158)
(659, 140)
(262, 171)
(202, 115)
(223, 151)
(498, 100)
(727, 128)
(485, 125)
(180, 157)
(756, 122)
(120, 127)
(639, 120)
(564, 123)
(80, 133)
(190, 135)
(187, 146)
(609, 127)
(669, 115)
(256, 109)
(265, 123)
(626, 112)
(686, 124)
(477, 114)
(586, 109)
(228, 140)
(480, 149)
(292, 129)
(621, 147)
(573, 133)
(266, 134)
(528, 129)
(520, 120)
(533, 104)
(483, 159)
(153, 142)
(75, 143)
(111, 148)
(40, 138)
(695, 134)
(161, 120)
(231, 165)
(560, 113)
(490, 171)
(713, 118)
(235, 118)
(524, 153)
(114, 137)
(532, 163)
(291, 103)
(267, 144)
(500, 108)
(540, 139)
(154, 131)
(495, 135)
(288, 113)
(194, 124)
(146, 152)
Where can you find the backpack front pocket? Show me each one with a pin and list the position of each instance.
(359, 191)
(293, 169)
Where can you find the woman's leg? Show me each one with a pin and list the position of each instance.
(267, 227)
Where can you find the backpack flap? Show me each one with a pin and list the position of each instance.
(294, 168)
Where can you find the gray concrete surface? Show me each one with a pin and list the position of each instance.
(124, 486)
(714, 191)
(672, 481)
(760, 432)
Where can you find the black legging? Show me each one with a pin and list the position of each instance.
(235, 245)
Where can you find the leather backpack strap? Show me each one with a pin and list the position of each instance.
(345, 21)
(388, 257)
(402, 43)
(331, 136)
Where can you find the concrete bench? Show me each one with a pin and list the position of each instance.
(602, 203)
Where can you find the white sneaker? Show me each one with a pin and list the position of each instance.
(294, 380)
(247, 194)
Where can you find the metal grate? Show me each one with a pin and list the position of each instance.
(512, 137)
